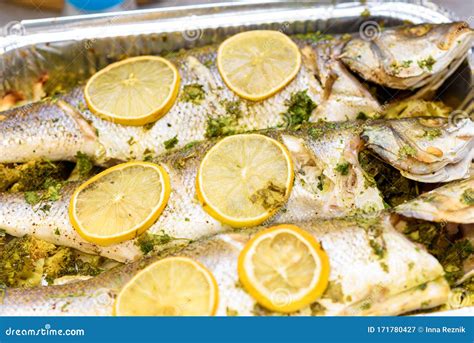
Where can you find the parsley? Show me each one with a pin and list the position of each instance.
(83, 164)
(171, 143)
(300, 107)
(343, 168)
(406, 151)
(32, 198)
(427, 63)
(467, 197)
(193, 93)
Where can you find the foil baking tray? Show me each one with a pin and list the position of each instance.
(64, 51)
(61, 52)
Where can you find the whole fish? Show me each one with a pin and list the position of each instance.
(410, 57)
(56, 129)
(397, 277)
(321, 189)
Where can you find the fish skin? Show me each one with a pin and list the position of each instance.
(51, 129)
(443, 204)
(427, 150)
(358, 275)
(381, 58)
(315, 158)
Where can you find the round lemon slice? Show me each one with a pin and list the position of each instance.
(284, 268)
(135, 91)
(244, 179)
(175, 286)
(257, 64)
(120, 203)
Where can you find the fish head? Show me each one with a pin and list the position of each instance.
(424, 149)
(453, 203)
(409, 57)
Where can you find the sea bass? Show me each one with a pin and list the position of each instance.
(397, 277)
(56, 129)
(329, 182)
(320, 190)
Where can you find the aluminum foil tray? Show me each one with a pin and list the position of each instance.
(68, 50)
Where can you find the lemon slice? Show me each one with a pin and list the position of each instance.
(244, 179)
(257, 64)
(135, 91)
(120, 203)
(284, 268)
(175, 286)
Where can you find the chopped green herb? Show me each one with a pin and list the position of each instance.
(32, 198)
(343, 168)
(83, 164)
(467, 197)
(427, 63)
(171, 143)
(221, 126)
(300, 107)
(232, 108)
(406, 151)
(431, 134)
(361, 116)
(193, 93)
(148, 241)
(270, 197)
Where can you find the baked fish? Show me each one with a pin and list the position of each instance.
(329, 182)
(395, 278)
(57, 128)
(320, 190)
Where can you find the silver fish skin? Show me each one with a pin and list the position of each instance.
(56, 129)
(409, 57)
(427, 150)
(361, 282)
(453, 202)
(319, 191)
